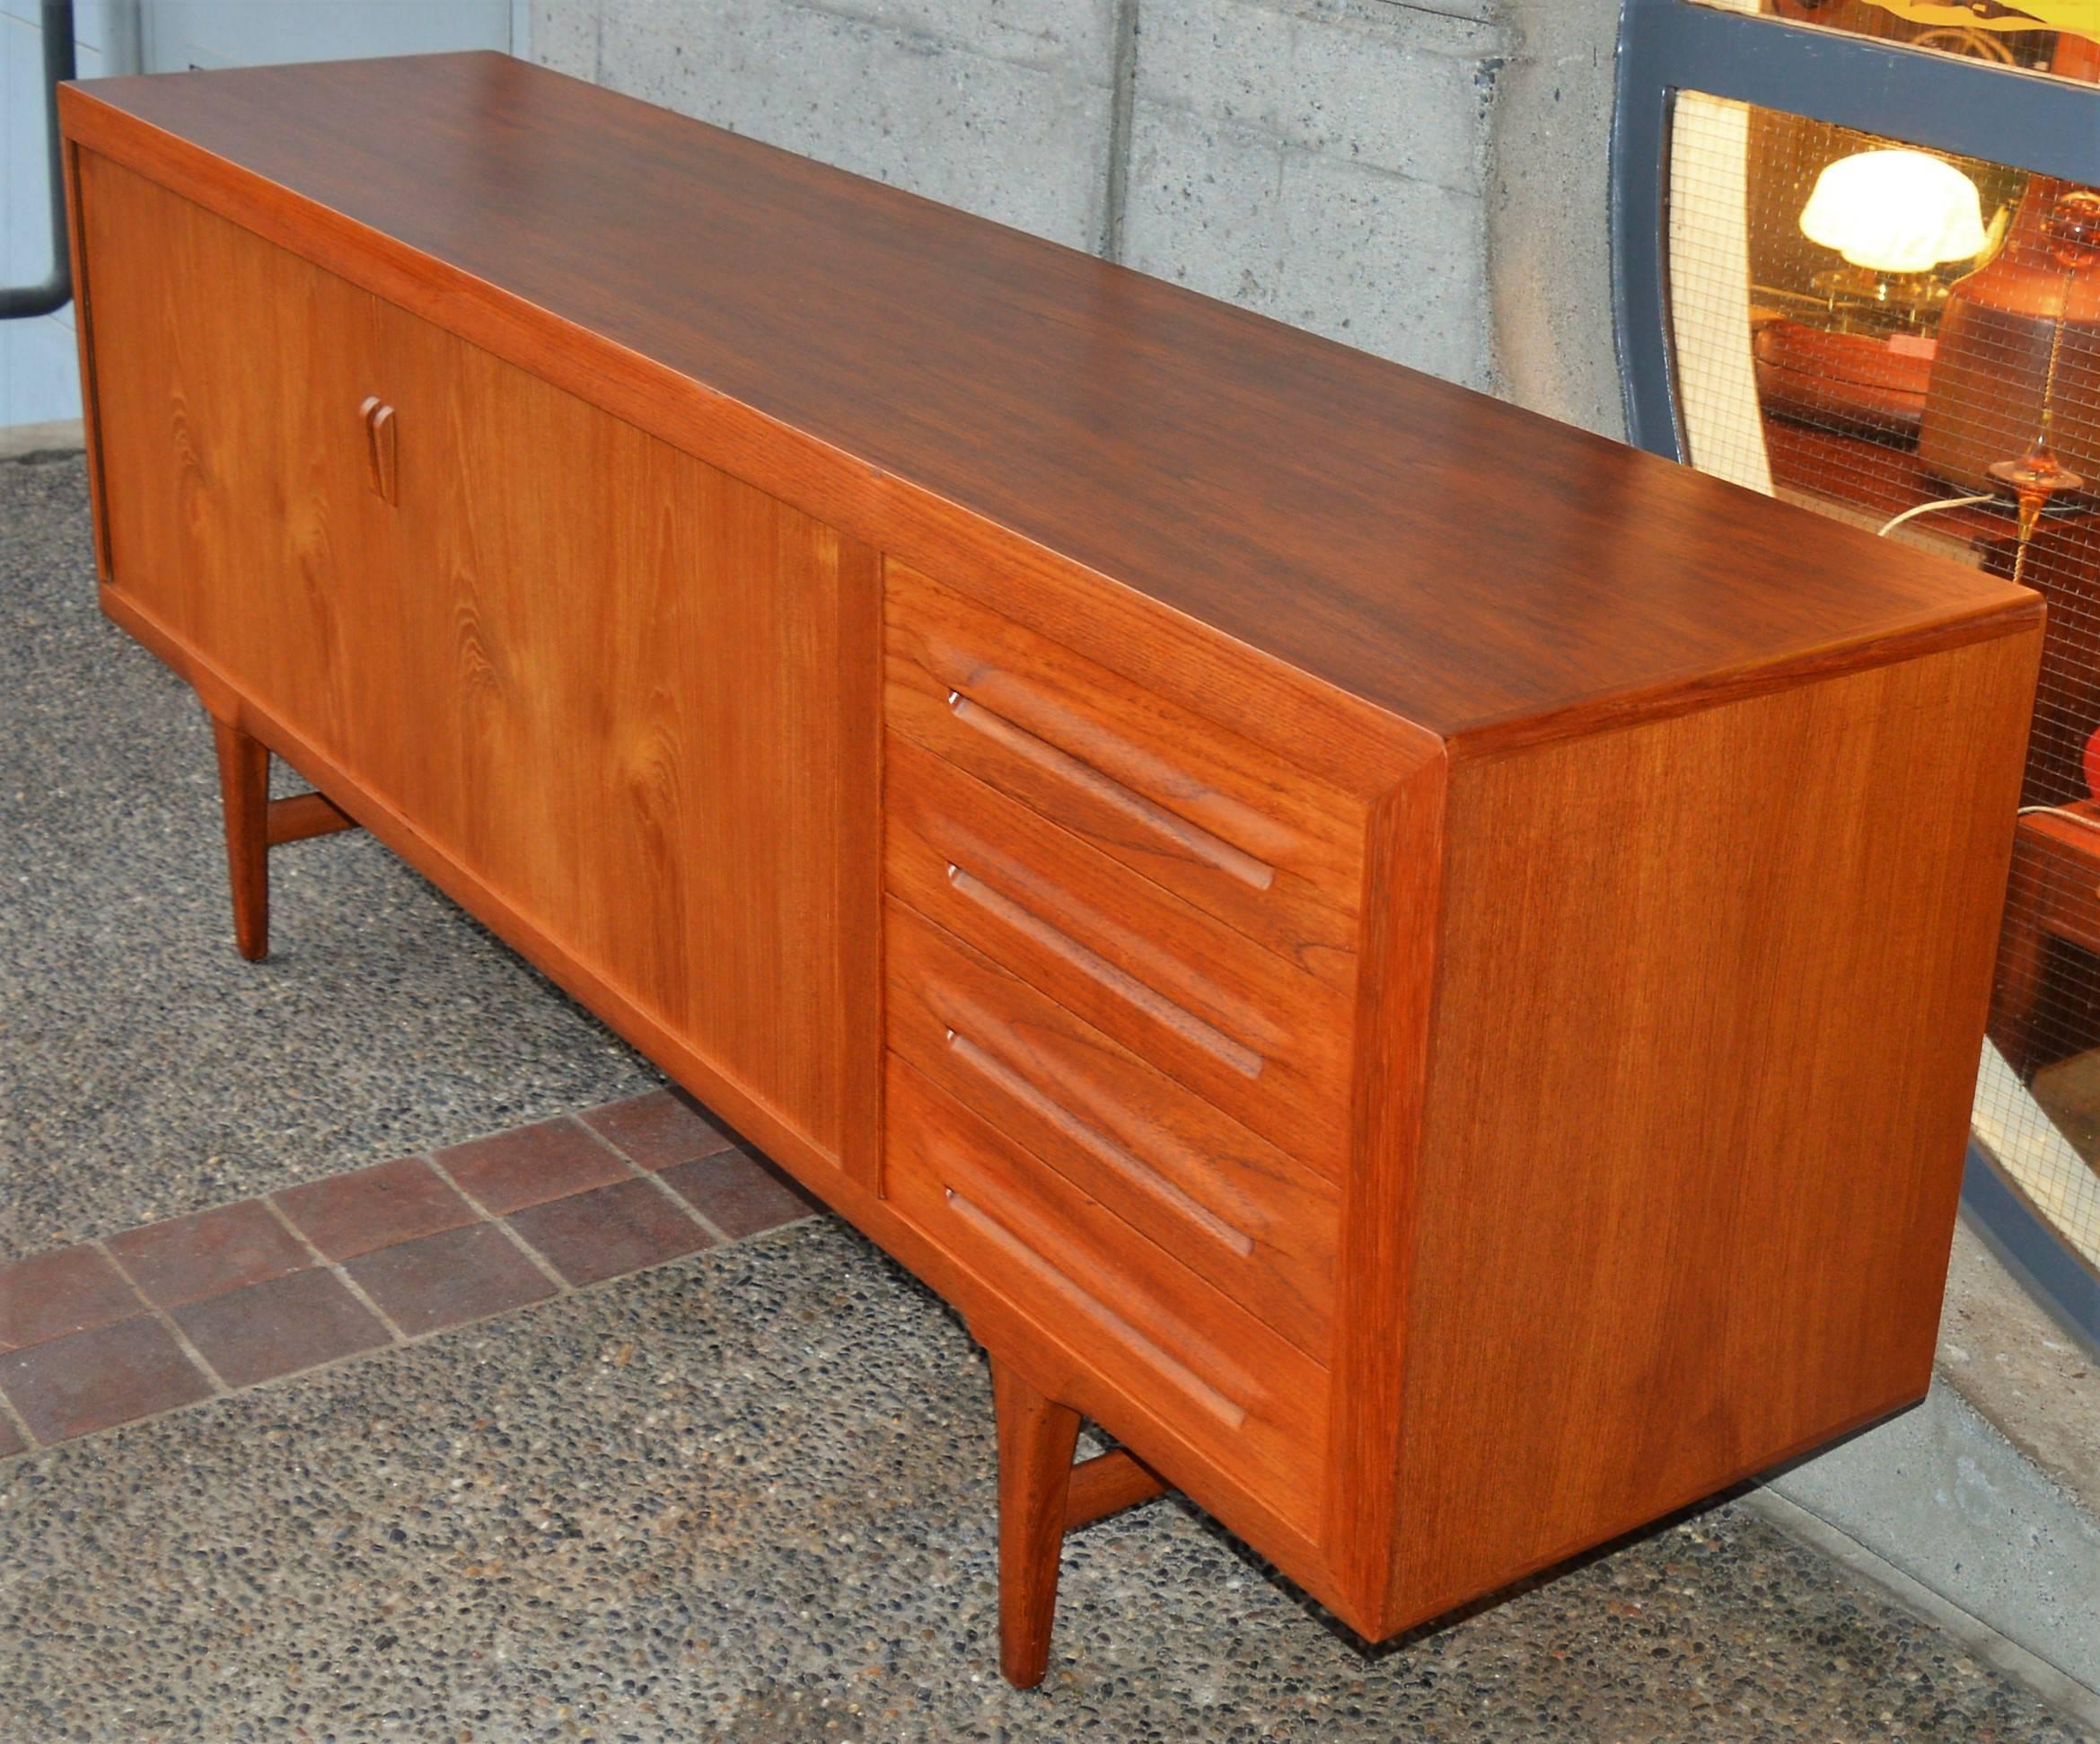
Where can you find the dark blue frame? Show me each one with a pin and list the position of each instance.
(1979, 110)
(2049, 1271)
(1974, 108)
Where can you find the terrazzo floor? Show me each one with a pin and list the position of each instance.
(746, 1495)
(749, 1495)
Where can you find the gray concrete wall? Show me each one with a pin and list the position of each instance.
(1549, 256)
(1001, 107)
(1325, 162)
(1425, 181)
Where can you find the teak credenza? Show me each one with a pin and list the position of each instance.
(1423, 969)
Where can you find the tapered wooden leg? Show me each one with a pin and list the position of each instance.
(244, 790)
(1036, 1439)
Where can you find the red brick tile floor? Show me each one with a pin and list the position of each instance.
(157, 1318)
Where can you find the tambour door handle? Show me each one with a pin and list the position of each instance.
(380, 448)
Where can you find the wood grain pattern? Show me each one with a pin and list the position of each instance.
(1245, 1030)
(300, 816)
(1706, 1227)
(581, 660)
(884, 363)
(229, 377)
(616, 661)
(1108, 1483)
(1400, 965)
(82, 330)
(857, 885)
(1185, 802)
(1432, 965)
(1182, 1353)
(1053, 1353)
(244, 793)
(1036, 1439)
(1247, 1216)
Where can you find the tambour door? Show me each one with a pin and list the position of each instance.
(636, 698)
(229, 378)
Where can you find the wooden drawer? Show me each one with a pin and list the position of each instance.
(1249, 1401)
(1223, 823)
(1245, 1030)
(1232, 1207)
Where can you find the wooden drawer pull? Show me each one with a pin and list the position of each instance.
(1170, 1367)
(381, 447)
(1087, 736)
(1184, 972)
(1199, 843)
(1134, 1168)
(1155, 1005)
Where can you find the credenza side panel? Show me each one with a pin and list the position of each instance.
(1709, 1005)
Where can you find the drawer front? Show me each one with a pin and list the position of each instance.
(1243, 1398)
(1225, 823)
(1248, 1032)
(1232, 1207)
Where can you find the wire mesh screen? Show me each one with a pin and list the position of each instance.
(2036, 36)
(1911, 342)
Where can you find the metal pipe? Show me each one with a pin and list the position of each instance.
(56, 290)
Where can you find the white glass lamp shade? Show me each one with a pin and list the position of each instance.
(1894, 211)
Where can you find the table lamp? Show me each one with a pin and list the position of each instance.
(1893, 215)
(2018, 363)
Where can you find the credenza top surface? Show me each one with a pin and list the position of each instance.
(1440, 554)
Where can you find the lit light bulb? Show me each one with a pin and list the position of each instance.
(1894, 211)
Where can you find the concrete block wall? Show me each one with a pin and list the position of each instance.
(1334, 163)
(1001, 107)
(1323, 162)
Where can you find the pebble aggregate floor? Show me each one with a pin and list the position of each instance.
(749, 1495)
(745, 1494)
